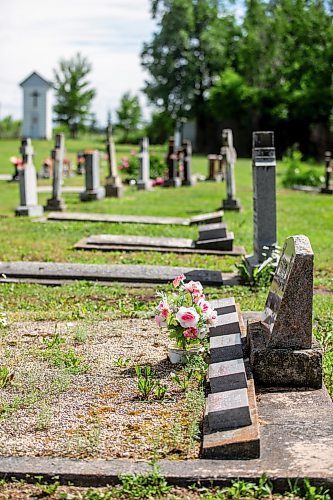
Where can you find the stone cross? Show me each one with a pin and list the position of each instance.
(173, 179)
(328, 189)
(93, 189)
(28, 183)
(264, 198)
(229, 156)
(144, 181)
(113, 185)
(56, 203)
(188, 179)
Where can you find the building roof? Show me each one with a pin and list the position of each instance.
(35, 75)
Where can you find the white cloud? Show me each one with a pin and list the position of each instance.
(35, 34)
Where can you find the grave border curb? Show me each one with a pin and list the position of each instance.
(98, 473)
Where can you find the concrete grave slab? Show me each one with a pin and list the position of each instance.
(213, 217)
(109, 242)
(227, 375)
(58, 273)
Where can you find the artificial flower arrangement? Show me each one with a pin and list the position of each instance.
(185, 313)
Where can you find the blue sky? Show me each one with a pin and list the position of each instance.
(37, 33)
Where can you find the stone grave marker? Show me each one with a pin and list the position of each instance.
(28, 183)
(215, 168)
(225, 347)
(228, 410)
(264, 198)
(144, 181)
(173, 179)
(188, 179)
(229, 156)
(227, 375)
(56, 203)
(282, 349)
(328, 188)
(93, 189)
(113, 183)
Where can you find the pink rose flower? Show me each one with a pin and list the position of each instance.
(198, 297)
(178, 279)
(191, 333)
(187, 317)
(204, 306)
(164, 309)
(160, 321)
(194, 287)
(211, 316)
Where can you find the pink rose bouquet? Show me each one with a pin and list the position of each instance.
(185, 313)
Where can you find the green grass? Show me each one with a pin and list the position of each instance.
(24, 239)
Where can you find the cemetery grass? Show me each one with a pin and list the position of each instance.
(95, 308)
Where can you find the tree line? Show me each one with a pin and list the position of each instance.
(261, 64)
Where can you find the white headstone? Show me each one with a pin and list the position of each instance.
(144, 181)
(28, 183)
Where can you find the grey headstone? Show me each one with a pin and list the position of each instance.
(58, 153)
(93, 189)
(288, 310)
(229, 156)
(264, 195)
(225, 244)
(225, 347)
(173, 179)
(188, 180)
(227, 375)
(226, 324)
(328, 188)
(212, 231)
(28, 183)
(113, 183)
(228, 410)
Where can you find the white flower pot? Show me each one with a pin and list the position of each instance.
(176, 354)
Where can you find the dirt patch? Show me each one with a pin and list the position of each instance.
(68, 398)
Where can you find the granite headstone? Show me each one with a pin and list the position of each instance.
(93, 189)
(113, 183)
(229, 157)
(56, 203)
(28, 183)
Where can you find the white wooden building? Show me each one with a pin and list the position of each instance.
(37, 107)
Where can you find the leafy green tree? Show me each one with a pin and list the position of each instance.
(73, 93)
(160, 127)
(129, 114)
(191, 46)
(9, 128)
